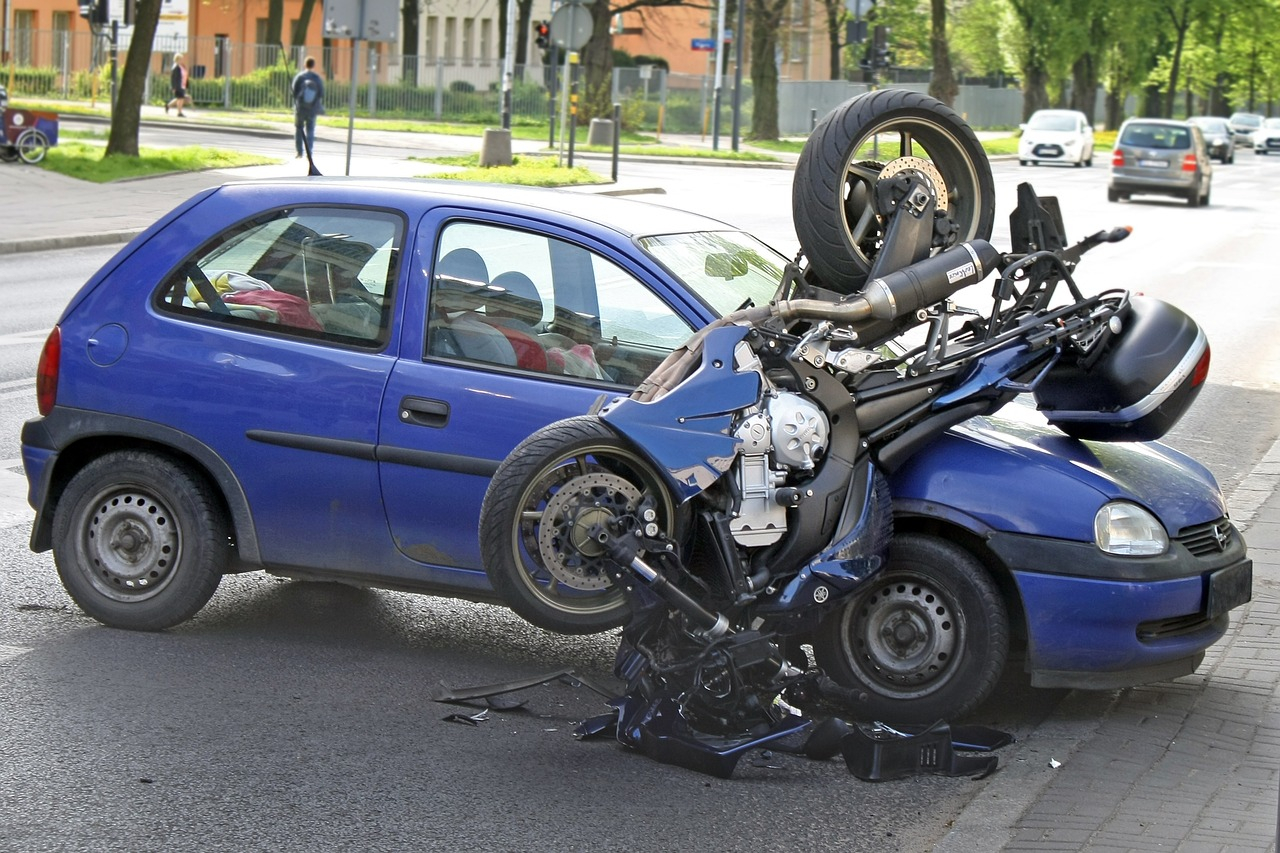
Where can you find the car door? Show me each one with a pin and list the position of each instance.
(521, 325)
(282, 328)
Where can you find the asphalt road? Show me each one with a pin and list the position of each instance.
(295, 715)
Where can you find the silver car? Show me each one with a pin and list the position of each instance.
(1242, 127)
(1161, 157)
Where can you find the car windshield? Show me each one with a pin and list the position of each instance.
(726, 269)
(1156, 136)
(1246, 120)
(1211, 125)
(1051, 121)
(1271, 123)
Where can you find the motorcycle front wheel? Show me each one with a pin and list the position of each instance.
(538, 512)
(927, 639)
(890, 130)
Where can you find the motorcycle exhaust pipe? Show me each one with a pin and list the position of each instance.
(903, 291)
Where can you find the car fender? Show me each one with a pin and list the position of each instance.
(65, 432)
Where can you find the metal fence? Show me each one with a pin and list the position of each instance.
(64, 65)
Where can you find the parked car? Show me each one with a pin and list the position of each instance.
(1160, 157)
(317, 378)
(1267, 138)
(1056, 136)
(1218, 137)
(1242, 126)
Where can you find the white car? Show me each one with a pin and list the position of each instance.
(1267, 138)
(1056, 136)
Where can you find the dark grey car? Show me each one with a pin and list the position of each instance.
(1160, 157)
(1218, 137)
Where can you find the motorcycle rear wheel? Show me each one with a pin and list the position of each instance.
(536, 515)
(927, 639)
(833, 190)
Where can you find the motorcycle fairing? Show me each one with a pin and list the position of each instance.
(686, 432)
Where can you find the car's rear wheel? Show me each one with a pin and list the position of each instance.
(1193, 196)
(1112, 195)
(927, 639)
(140, 540)
(541, 506)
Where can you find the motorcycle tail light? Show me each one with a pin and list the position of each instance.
(1189, 163)
(1202, 369)
(47, 372)
(1117, 158)
(1129, 530)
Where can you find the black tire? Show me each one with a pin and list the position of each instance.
(927, 639)
(1088, 163)
(522, 521)
(1193, 197)
(140, 540)
(1112, 195)
(1022, 162)
(831, 203)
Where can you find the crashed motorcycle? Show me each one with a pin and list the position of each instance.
(738, 498)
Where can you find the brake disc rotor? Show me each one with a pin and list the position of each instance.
(568, 550)
(925, 170)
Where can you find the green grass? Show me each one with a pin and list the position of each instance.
(526, 171)
(88, 163)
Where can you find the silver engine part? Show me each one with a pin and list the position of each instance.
(790, 433)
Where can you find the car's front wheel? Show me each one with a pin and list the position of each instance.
(140, 540)
(926, 640)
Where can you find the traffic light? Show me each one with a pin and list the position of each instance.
(96, 11)
(881, 57)
(542, 34)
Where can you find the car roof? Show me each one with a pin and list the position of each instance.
(1169, 122)
(569, 208)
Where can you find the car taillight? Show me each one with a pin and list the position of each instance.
(1117, 158)
(1202, 369)
(47, 372)
(1188, 162)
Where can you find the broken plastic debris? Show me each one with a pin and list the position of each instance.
(1054, 763)
(469, 719)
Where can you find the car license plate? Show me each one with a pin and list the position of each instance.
(1154, 164)
(1229, 587)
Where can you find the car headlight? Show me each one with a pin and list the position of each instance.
(1128, 529)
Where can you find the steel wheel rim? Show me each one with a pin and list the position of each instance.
(132, 544)
(905, 635)
(915, 137)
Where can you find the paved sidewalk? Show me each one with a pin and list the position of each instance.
(1187, 765)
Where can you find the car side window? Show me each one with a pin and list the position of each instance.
(320, 272)
(502, 296)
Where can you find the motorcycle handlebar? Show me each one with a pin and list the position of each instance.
(903, 291)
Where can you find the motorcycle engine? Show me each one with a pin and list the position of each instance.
(788, 435)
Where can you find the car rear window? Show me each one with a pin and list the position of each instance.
(320, 272)
(1156, 136)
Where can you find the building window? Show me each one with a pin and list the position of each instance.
(450, 38)
(61, 38)
(431, 47)
(468, 41)
(486, 40)
(24, 25)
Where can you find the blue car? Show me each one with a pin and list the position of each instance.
(317, 378)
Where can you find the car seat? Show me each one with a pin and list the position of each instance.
(455, 328)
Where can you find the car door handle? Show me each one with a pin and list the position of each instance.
(420, 411)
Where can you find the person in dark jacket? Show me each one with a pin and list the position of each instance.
(308, 102)
(178, 84)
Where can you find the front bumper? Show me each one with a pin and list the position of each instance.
(1120, 621)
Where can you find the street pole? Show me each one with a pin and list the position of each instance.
(715, 104)
(508, 65)
(738, 40)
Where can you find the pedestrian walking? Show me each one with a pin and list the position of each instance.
(308, 102)
(178, 84)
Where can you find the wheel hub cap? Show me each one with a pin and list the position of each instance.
(132, 544)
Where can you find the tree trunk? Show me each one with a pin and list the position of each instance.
(766, 19)
(1035, 94)
(409, 21)
(597, 63)
(304, 23)
(1084, 86)
(834, 10)
(942, 85)
(275, 23)
(127, 113)
(524, 21)
(1115, 109)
